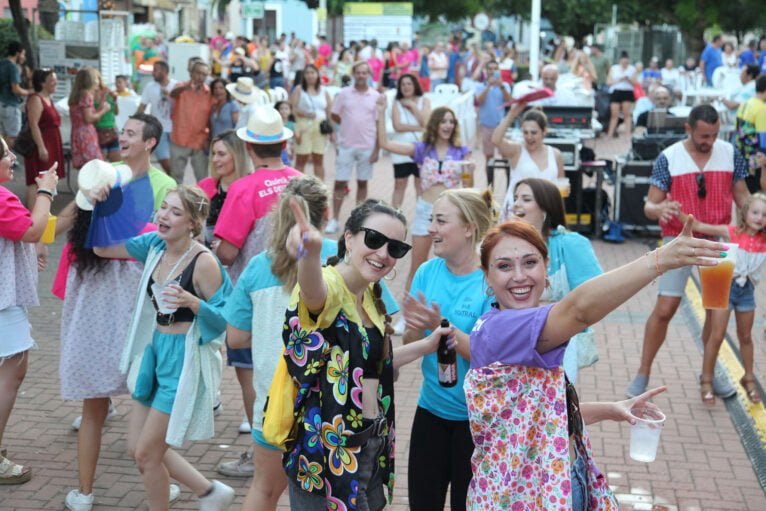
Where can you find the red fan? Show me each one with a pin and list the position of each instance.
(529, 97)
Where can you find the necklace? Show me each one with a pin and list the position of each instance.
(178, 263)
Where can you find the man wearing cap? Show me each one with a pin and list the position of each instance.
(242, 225)
(191, 113)
(157, 96)
(356, 111)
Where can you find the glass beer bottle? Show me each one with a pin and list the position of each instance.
(446, 361)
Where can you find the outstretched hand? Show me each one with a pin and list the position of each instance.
(623, 408)
(303, 239)
(687, 250)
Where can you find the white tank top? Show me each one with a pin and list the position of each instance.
(525, 168)
(409, 137)
(318, 103)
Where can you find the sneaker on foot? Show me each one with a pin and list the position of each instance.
(218, 406)
(637, 386)
(400, 326)
(244, 427)
(332, 227)
(110, 415)
(219, 498)
(722, 386)
(175, 492)
(243, 467)
(76, 501)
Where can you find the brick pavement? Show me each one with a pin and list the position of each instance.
(701, 463)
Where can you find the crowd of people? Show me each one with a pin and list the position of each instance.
(240, 262)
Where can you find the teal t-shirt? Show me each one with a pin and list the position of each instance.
(462, 301)
(9, 74)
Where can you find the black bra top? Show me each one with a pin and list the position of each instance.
(185, 281)
(371, 367)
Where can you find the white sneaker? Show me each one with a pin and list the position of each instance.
(76, 501)
(219, 499)
(110, 415)
(245, 426)
(175, 493)
(218, 406)
(332, 227)
(400, 326)
(242, 467)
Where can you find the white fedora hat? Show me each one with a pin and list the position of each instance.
(95, 174)
(244, 90)
(264, 127)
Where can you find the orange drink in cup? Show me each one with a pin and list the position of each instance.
(716, 280)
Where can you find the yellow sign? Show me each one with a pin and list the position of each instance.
(377, 9)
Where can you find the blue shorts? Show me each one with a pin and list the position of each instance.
(259, 440)
(240, 357)
(160, 371)
(114, 146)
(742, 299)
(162, 151)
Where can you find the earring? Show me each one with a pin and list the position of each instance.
(545, 216)
(489, 291)
(347, 256)
(389, 276)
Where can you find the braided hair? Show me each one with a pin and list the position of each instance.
(354, 225)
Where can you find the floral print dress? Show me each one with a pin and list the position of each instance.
(84, 136)
(325, 356)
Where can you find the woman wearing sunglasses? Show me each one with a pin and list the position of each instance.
(338, 351)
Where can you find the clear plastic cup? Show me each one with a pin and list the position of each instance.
(716, 280)
(162, 304)
(645, 434)
(564, 186)
(465, 170)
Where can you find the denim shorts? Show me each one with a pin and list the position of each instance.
(239, 357)
(114, 146)
(742, 299)
(579, 484)
(162, 151)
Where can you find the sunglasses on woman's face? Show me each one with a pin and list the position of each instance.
(701, 188)
(374, 240)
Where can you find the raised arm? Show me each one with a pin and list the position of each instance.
(586, 304)
(508, 148)
(304, 242)
(383, 141)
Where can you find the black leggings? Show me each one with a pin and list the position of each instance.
(440, 457)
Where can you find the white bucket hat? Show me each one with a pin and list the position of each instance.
(95, 174)
(264, 127)
(244, 90)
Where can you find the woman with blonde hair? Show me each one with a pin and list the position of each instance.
(84, 115)
(228, 162)
(172, 351)
(255, 316)
(451, 286)
(441, 159)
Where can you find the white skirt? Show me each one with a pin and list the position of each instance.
(17, 332)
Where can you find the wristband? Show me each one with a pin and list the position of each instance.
(43, 191)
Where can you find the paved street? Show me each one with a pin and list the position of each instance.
(701, 463)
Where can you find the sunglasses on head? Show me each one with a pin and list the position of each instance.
(701, 188)
(374, 240)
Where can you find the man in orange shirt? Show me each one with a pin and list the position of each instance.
(191, 113)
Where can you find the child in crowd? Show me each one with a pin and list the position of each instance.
(749, 235)
(122, 86)
(286, 111)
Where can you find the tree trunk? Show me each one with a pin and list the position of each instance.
(21, 24)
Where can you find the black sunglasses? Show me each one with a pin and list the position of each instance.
(701, 189)
(374, 240)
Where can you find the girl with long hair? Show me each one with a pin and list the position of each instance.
(311, 105)
(84, 115)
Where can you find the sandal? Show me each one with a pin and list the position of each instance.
(12, 473)
(706, 392)
(751, 389)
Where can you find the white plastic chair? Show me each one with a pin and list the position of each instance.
(447, 88)
(278, 94)
(128, 105)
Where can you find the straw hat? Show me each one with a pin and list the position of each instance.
(94, 175)
(264, 127)
(244, 90)
(240, 51)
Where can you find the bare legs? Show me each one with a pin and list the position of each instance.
(245, 379)
(657, 329)
(317, 159)
(614, 117)
(94, 413)
(269, 481)
(12, 372)
(339, 193)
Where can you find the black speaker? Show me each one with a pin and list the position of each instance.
(631, 190)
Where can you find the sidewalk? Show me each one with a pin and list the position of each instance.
(701, 463)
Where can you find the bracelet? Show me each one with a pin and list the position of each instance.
(47, 193)
(657, 262)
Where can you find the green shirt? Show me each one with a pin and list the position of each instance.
(161, 183)
(107, 120)
(602, 68)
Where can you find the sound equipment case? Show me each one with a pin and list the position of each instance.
(630, 190)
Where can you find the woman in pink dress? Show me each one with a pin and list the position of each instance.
(84, 115)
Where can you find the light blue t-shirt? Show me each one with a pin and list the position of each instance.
(462, 301)
(490, 114)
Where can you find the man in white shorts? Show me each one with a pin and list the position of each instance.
(356, 112)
